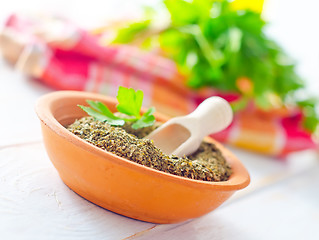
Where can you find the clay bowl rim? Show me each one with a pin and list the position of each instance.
(239, 178)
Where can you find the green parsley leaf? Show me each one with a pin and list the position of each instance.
(311, 115)
(101, 117)
(146, 120)
(100, 107)
(128, 33)
(239, 104)
(130, 101)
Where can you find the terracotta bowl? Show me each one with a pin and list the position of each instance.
(120, 185)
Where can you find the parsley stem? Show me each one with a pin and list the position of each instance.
(130, 119)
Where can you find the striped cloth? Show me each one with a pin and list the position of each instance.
(65, 57)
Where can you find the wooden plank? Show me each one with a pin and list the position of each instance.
(287, 210)
(18, 95)
(33, 190)
(35, 204)
(266, 171)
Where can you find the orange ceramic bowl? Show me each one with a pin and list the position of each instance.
(120, 185)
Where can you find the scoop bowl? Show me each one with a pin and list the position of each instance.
(120, 185)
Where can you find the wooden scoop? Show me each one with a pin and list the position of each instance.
(182, 135)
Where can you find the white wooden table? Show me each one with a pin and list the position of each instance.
(282, 201)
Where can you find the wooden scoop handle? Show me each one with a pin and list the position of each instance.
(212, 115)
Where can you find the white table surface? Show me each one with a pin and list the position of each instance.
(282, 201)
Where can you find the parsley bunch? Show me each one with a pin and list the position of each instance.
(129, 104)
(216, 45)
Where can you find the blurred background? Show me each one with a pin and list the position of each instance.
(292, 23)
(262, 56)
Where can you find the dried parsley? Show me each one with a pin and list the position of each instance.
(206, 164)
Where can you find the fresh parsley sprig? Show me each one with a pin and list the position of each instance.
(129, 104)
(216, 45)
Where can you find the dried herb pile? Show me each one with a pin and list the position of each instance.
(206, 164)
